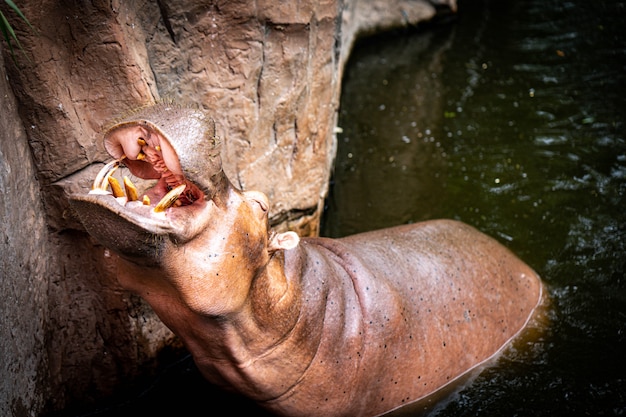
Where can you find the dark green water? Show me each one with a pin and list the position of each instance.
(510, 119)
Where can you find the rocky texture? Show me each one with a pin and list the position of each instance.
(270, 74)
(23, 269)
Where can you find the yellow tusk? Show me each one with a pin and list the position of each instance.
(145, 200)
(141, 141)
(101, 181)
(131, 190)
(141, 156)
(107, 177)
(116, 188)
(169, 199)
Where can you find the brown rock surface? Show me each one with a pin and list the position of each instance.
(270, 74)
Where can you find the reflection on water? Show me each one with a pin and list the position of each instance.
(390, 106)
(510, 119)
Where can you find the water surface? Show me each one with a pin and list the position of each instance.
(510, 119)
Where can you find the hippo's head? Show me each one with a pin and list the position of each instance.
(177, 149)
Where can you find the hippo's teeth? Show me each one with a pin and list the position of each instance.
(158, 148)
(169, 199)
(101, 182)
(116, 188)
(145, 200)
(141, 141)
(141, 156)
(131, 190)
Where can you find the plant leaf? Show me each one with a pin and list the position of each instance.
(4, 28)
(7, 31)
(19, 13)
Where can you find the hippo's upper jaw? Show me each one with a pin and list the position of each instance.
(181, 154)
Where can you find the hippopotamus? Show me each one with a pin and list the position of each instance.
(304, 326)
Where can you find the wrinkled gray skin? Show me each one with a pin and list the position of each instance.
(312, 326)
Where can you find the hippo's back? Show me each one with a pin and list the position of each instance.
(440, 298)
(440, 259)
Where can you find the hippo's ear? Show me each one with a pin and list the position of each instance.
(284, 241)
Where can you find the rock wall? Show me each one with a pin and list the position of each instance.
(23, 268)
(268, 72)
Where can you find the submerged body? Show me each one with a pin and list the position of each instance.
(409, 310)
(314, 326)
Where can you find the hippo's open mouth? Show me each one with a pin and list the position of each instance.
(173, 155)
(171, 190)
(168, 205)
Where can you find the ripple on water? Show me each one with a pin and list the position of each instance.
(550, 140)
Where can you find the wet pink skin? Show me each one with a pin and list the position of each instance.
(124, 143)
(354, 326)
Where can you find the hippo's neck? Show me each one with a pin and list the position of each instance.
(331, 334)
(303, 313)
(262, 348)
